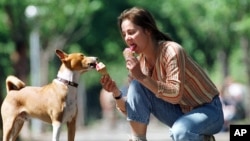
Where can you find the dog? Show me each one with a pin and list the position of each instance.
(55, 103)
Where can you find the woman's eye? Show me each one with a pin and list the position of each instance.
(131, 32)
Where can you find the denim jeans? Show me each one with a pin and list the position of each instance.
(206, 119)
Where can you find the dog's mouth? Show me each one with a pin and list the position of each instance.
(93, 65)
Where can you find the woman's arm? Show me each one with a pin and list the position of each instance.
(109, 85)
(172, 66)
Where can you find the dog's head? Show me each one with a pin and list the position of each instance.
(77, 61)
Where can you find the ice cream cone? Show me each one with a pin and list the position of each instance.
(128, 53)
(101, 68)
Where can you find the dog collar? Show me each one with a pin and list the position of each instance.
(67, 82)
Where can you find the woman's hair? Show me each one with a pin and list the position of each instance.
(143, 19)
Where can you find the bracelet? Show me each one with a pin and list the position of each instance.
(118, 97)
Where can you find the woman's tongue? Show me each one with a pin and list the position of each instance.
(132, 47)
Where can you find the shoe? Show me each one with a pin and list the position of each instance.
(137, 138)
(209, 138)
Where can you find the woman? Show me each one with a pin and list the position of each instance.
(166, 82)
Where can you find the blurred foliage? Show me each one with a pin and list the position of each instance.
(203, 28)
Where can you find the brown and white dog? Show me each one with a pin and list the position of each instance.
(55, 103)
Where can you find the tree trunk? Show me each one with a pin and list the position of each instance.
(19, 32)
(223, 58)
(244, 42)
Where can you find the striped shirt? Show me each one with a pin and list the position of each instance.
(180, 80)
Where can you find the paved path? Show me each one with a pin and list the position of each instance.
(156, 132)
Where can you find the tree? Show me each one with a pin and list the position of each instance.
(69, 25)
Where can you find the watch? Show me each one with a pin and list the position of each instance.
(119, 96)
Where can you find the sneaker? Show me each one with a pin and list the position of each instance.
(209, 138)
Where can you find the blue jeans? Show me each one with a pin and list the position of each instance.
(206, 119)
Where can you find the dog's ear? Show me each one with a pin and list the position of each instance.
(62, 55)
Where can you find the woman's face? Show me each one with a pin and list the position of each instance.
(135, 36)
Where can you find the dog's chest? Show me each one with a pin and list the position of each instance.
(70, 106)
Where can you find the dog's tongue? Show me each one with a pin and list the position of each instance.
(97, 66)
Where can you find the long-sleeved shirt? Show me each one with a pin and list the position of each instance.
(180, 79)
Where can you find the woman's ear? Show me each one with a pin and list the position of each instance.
(148, 32)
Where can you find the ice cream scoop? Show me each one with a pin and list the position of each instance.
(101, 68)
(128, 52)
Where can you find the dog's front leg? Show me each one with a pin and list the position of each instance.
(56, 130)
(71, 125)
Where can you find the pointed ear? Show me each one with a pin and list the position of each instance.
(62, 55)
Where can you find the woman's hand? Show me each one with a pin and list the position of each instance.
(108, 84)
(133, 65)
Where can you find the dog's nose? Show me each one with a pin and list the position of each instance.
(93, 58)
(96, 58)
(93, 62)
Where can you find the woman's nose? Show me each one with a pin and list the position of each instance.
(128, 38)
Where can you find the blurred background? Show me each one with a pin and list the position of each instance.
(215, 33)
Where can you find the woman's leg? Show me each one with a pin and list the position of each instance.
(138, 131)
(138, 110)
(141, 102)
(201, 121)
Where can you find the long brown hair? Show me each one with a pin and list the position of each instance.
(144, 19)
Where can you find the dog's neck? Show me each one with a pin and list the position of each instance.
(66, 74)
